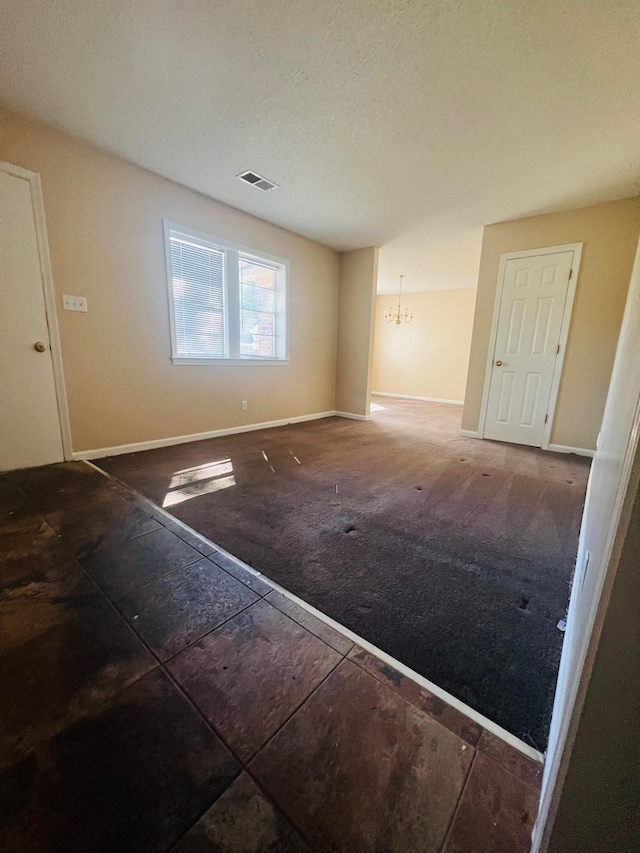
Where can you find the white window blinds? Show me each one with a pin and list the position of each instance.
(197, 278)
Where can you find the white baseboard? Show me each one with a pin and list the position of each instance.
(579, 451)
(470, 433)
(555, 448)
(119, 449)
(413, 397)
(352, 416)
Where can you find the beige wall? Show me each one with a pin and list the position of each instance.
(104, 220)
(610, 235)
(429, 356)
(358, 277)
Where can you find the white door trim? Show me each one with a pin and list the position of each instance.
(573, 677)
(576, 248)
(37, 202)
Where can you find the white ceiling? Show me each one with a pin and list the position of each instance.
(403, 124)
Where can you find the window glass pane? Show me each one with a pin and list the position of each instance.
(260, 275)
(257, 285)
(258, 298)
(198, 298)
(257, 346)
(258, 323)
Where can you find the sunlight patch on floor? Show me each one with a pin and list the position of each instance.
(202, 480)
(201, 472)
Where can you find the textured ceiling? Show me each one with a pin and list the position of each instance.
(403, 124)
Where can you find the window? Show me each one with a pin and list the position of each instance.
(227, 303)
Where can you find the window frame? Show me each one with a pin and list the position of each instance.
(232, 301)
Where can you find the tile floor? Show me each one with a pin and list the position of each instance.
(157, 696)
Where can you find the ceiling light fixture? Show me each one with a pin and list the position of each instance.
(257, 181)
(397, 316)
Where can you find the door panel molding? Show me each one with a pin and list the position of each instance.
(37, 203)
(576, 248)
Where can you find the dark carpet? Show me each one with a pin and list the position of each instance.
(453, 555)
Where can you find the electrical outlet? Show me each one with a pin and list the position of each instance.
(74, 303)
(243, 405)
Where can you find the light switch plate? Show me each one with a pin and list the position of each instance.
(74, 303)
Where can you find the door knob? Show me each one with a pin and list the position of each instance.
(39, 347)
(498, 363)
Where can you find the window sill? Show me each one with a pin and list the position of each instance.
(231, 362)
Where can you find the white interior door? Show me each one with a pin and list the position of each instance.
(534, 293)
(30, 434)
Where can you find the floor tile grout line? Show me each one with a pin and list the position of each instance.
(160, 576)
(249, 770)
(243, 764)
(160, 665)
(454, 814)
(202, 716)
(476, 747)
(138, 636)
(503, 768)
(162, 526)
(296, 709)
(413, 705)
(208, 633)
(177, 841)
(83, 556)
(269, 797)
(262, 595)
(298, 622)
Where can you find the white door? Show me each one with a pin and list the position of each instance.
(534, 293)
(30, 424)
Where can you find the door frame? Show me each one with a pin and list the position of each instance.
(37, 204)
(574, 676)
(576, 248)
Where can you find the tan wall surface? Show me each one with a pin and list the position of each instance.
(104, 221)
(429, 356)
(609, 232)
(358, 277)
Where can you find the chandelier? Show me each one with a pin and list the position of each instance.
(397, 316)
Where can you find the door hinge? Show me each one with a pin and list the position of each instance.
(558, 349)
(546, 418)
(570, 273)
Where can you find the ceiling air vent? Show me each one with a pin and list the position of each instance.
(257, 181)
